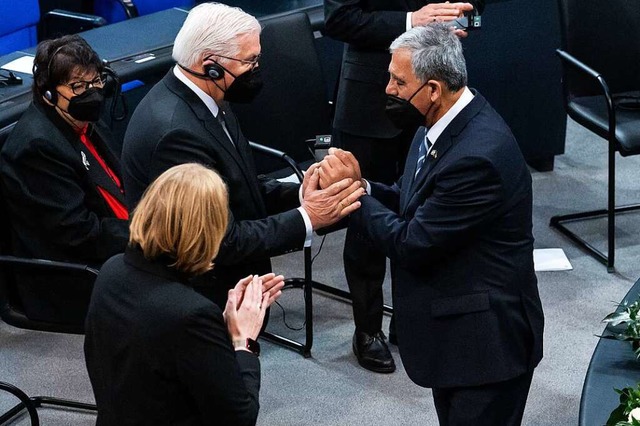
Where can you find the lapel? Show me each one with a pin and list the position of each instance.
(97, 174)
(202, 113)
(410, 165)
(445, 141)
(88, 162)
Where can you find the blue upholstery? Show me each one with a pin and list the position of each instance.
(18, 25)
(112, 10)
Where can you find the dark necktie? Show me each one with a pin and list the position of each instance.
(422, 154)
(223, 123)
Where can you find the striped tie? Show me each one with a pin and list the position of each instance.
(422, 154)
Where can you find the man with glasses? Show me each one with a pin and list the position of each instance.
(61, 180)
(185, 118)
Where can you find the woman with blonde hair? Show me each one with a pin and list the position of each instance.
(157, 351)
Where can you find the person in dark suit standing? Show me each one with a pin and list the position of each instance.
(361, 126)
(61, 179)
(457, 227)
(185, 118)
(157, 352)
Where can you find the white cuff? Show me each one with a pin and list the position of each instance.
(409, 21)
(368, 188)
(307, 224)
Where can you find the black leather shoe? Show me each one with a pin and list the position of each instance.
(372, 352)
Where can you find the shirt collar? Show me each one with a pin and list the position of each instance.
(438, 127)
(208, 100)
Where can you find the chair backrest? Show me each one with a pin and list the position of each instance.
(605, 35)
(292, 106)
(113, 10)
(18, 21)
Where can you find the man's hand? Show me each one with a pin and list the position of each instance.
(439, 12)
(327, 206)
(307, 176)
(338, 165)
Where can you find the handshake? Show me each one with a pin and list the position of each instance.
(331, 188)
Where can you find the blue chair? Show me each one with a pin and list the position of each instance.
(18, 25)
(119, 10)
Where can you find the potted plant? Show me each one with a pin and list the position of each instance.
(624, 324)
(628, 412)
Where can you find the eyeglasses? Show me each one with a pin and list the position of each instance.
(81, 86)
(253, 62)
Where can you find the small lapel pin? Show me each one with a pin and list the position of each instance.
(85, 162)
(434, 153)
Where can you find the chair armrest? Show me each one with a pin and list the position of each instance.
(280, 155)
(590, 72)
(46, 264)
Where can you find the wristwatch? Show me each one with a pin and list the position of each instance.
(249, 344)
(253, 346)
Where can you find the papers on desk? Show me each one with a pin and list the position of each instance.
(291, 178)
(23, 64)
(552, 259)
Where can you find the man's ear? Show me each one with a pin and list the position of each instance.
(436, 90)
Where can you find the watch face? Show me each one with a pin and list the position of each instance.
(253, 346)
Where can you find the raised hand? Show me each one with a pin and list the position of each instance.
(439, 12)
(245, 310)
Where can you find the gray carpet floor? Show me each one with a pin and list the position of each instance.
(331, 389)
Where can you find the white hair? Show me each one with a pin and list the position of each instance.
(212, 28)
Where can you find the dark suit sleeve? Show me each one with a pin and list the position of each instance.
(389, 196)
(279, 196)
(351, 22)
(224, 383)
(245, 239)
(263, 238)
(348, 21)
(50, 191)
(467, 196)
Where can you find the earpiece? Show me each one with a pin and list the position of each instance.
(214, 71)
(49, 96)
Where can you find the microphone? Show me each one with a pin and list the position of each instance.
(11, 79)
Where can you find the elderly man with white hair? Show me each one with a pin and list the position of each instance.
(185, 118)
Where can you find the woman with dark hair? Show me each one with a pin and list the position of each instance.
(60, 179)
(158, 352)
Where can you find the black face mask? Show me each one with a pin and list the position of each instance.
(402, 113)
(245, 87)
(87, 106)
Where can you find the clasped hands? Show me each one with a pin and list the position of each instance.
(247, 304)
(331, 188)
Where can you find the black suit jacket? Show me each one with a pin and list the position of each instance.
(460, 242)
(158, 353)
(368, 27)
(171, 126)
(56, 212)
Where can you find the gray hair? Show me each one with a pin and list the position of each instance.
(436, 53)
(212, 28)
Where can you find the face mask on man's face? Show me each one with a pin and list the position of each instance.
(245, 87)
(402, 113)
